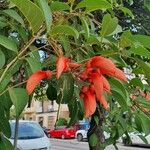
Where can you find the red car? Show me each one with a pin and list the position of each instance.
(62, 132)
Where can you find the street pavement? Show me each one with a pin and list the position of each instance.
(73, 144)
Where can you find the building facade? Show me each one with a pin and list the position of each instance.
(45, 112)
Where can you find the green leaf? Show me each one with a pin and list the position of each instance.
(144, 102)
(108, 25)
(138, 122)
(125, 40)
(51, 92)
(2, 58)
(123, 123)
(81, 110)
(117, 30)
(9, 74)
(145, 67)
(34, 53)
(92, 5)
(145, 120)
(147, 4)
(6, 101)
(93, 140)
(127, 11)
(3, 22)
(143, 139)
(32, 12)
(47, 13)
(19, 98)
(120, 99)
(119, 87)
(66, 86)
(8, 43)
(23, 33)
(65, 43)
(140, 51)
(141, 39)
(59, 6)
(137, 82)
(13, 14)
(86, 27)
(5, 144)
(73, 110)
(65, 30)
(35, 65)
(4, 122)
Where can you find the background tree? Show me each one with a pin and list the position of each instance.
(78, 30)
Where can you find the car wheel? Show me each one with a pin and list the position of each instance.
(126, 142)
(62, 137)
(80, 137)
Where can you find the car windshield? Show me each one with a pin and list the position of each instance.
(27, 130)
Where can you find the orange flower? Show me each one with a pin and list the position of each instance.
(89, 103)
(148, 96)
(74, 65)
(103, 101)
(106, 84)
(118, 74)
(62, 64)
(83, 75)
(35, 79)
(95, 68)
(84, 89)
(103, 63)
(98, 84)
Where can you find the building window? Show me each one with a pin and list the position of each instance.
(40, 120)
(51, 106)
(51, 121)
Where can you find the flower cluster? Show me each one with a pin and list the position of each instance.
(95, 70)
(92, 72)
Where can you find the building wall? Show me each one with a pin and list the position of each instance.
(47, 118)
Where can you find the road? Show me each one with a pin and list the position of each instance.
(58, 144)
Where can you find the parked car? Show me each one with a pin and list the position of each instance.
(30, 136)
(135, 139)
(82, 135)
(62, 132)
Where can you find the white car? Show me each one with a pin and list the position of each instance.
(82, 134)
(30, 136)
(135, 139)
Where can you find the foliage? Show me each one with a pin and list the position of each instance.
(78, 30)
(61, 122)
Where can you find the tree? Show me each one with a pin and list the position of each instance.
(81, 67)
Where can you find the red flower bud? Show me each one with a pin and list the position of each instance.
(103, 63)
(89, 104)
(74, 65)
(119, 74)
(35, 79)
(148, 96)
(103, 101)
(84, 89)
(106, 84)
(98, 84)
(62, 64)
